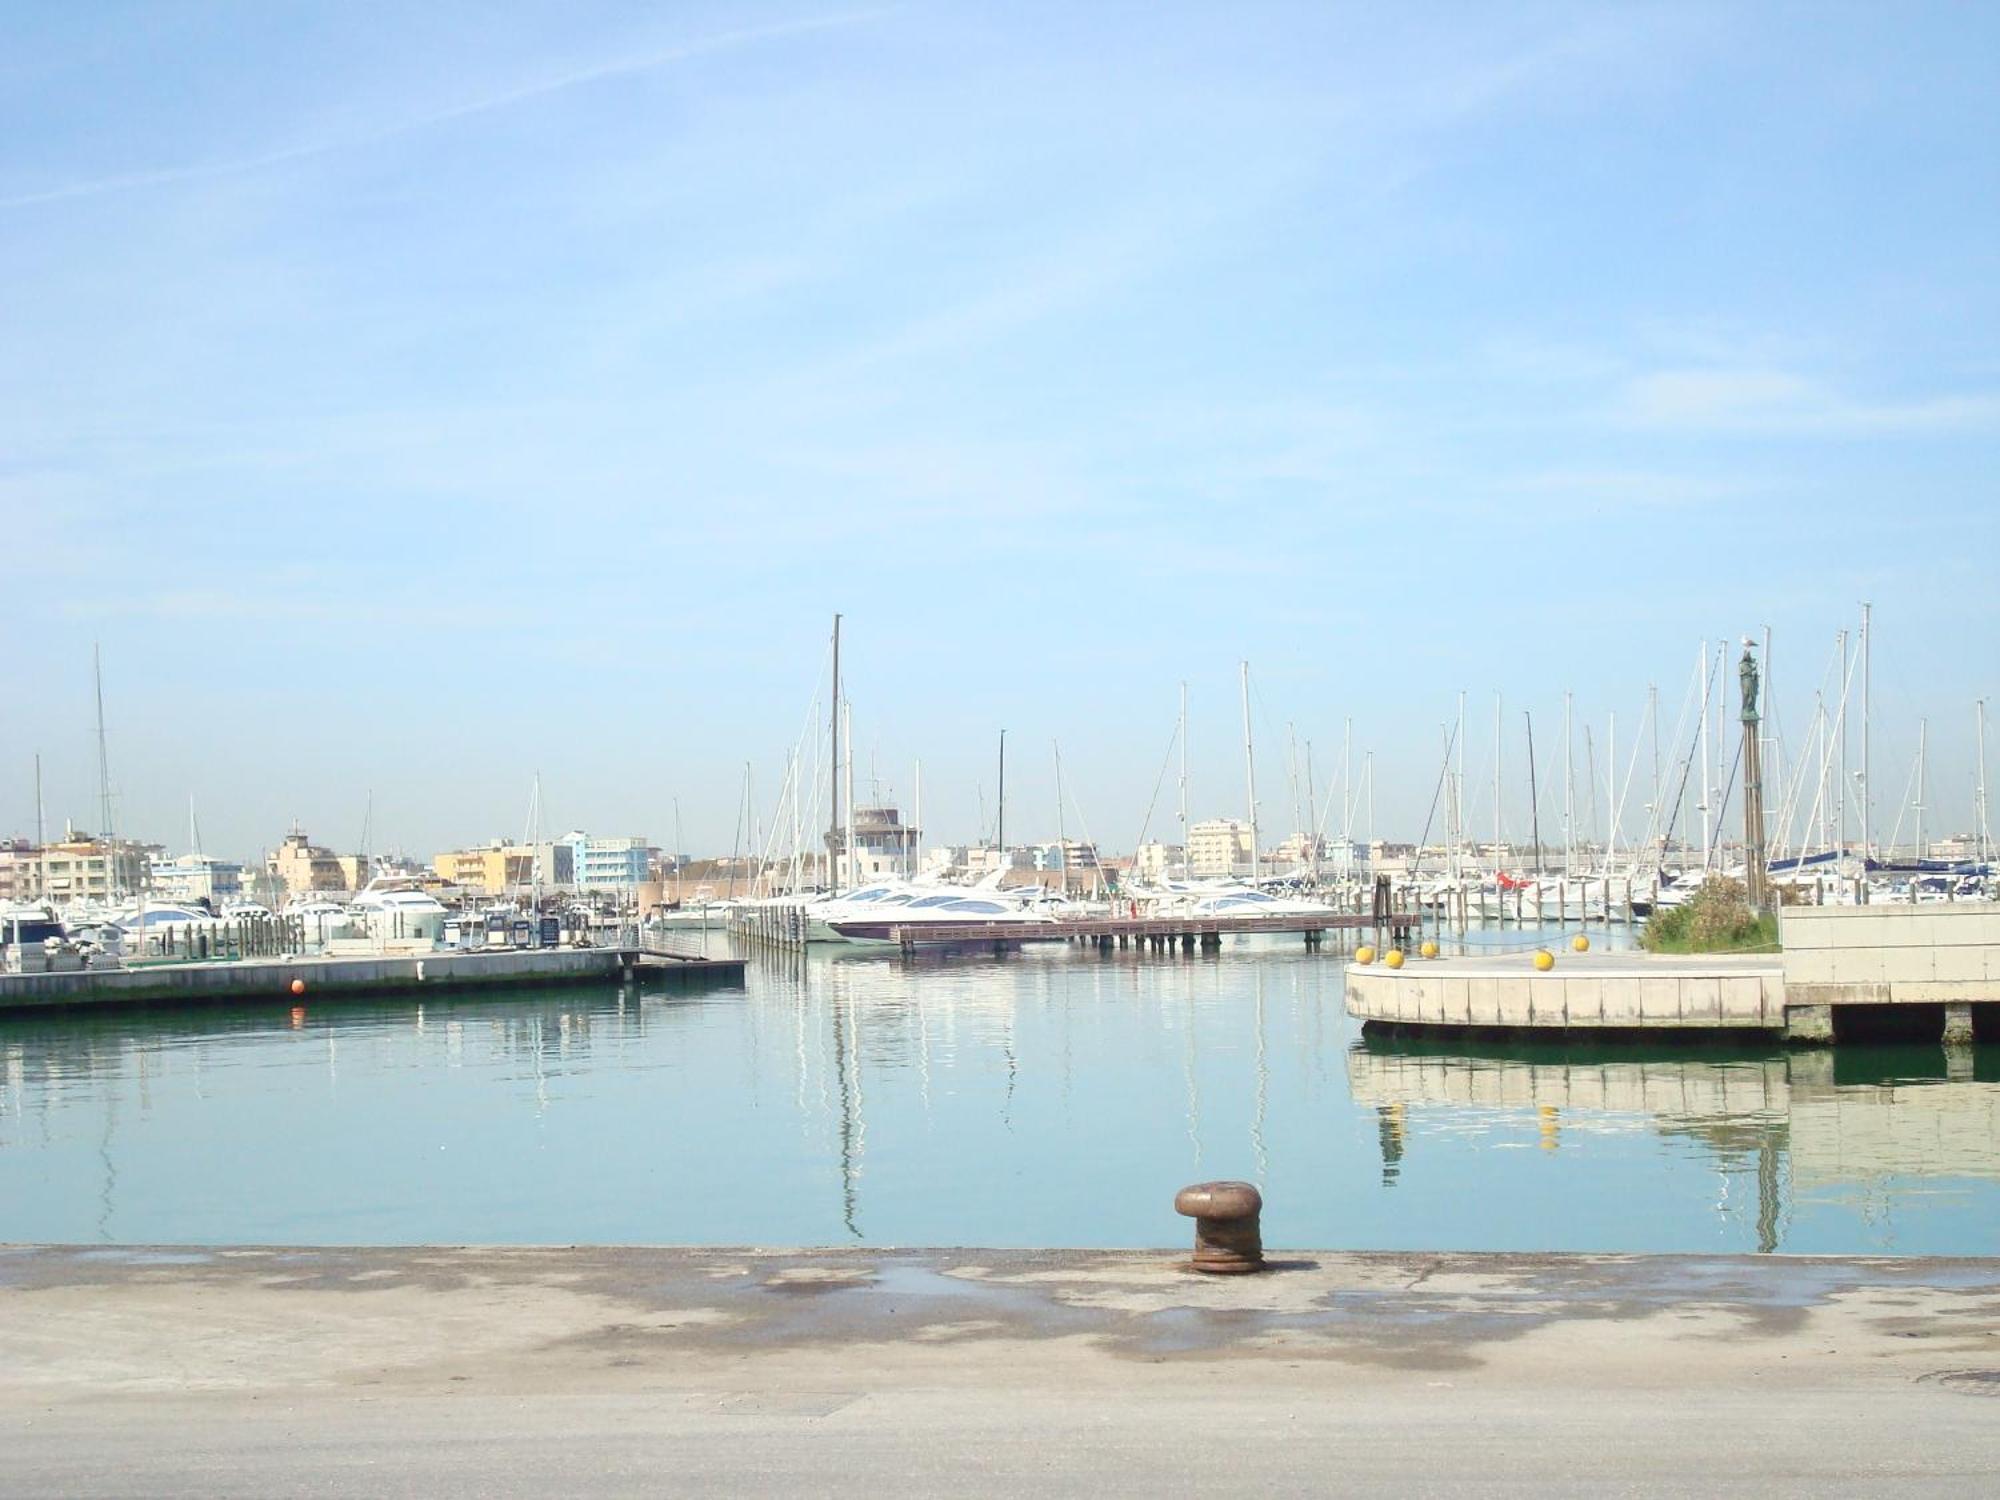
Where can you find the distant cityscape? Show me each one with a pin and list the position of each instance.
(80, 868)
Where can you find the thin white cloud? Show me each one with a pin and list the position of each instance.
(1778, 402)
(542, 88)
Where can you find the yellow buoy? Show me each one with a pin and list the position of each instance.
(1544, 960)
(1364, 954)
(1393, 958)
(1427, 949)
(1580, 943)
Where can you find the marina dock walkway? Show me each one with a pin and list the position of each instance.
(621, 1371)
(326, 979)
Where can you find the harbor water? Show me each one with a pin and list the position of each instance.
(1047, 1098)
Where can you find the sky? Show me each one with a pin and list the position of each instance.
(413, 400)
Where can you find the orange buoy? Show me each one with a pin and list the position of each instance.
(298, 986)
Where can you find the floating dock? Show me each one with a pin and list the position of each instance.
(353, 978)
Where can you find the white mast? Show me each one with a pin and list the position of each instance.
(1840, 747)
(1347, 786)
(1569, 790)
(913, 840)
(798, 821)
(1923, 735)
(1062, 837)
(847, 727)
(535, 842)
(1184, 781)
(1867, 786)
(1250, 772)
(1610, 791)
(1496, 783)
(106, 832)
(1459, 795)
(1701, 740)
(1653, 809)
(1981, 826)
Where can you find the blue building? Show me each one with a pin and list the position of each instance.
(606, 864)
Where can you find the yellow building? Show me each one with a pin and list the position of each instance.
(304, 868)
(497, 868)
(1220, 846)
(82, 868)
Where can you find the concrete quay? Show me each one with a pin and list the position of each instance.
(1583, 992)
(327, 979)
(593, 1372)
(1900, 967)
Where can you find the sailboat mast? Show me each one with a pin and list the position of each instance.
(103, 765)
(1840, 747)
(1867, 784)
(1923, 737)
(1312, 814)
(1184, 780)
(833, 775)
(41, 833)
(913, 840)
(847, 843)
(1496, 783)
(1459, 795)
(535, 839)
(1569, 790)
(1250, 772)
(1347, 785)
(1610, 791)
(1534, 793)
(1701, 743)
(1655, 811)
(1000, 828)
(1062, 836)
(1979, 786)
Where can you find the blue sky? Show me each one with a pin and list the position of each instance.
(413, 398)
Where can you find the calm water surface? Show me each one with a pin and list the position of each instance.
(1047, 1099)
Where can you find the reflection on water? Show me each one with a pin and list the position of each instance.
(1048, 1098)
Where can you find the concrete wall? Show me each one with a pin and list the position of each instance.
(1892, 954)
(325, 978)
(1728, 995)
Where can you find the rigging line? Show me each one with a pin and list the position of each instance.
(1728, 786)
(1161, 780)
(1657, 834)
(1417, 858)
(1687, 766)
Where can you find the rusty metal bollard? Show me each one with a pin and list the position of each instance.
(1226, 1236)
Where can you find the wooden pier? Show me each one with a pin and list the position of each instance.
(1160, 934)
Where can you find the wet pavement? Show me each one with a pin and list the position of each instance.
(610, 1371)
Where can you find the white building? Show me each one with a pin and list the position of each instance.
(198, 877)
(1156, 862)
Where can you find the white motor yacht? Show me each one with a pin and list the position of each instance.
(891, 921)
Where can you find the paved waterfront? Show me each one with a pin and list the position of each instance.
(609, 1371)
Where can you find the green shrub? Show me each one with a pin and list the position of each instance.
(1718, 918)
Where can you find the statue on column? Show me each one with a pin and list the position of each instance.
(1747, 671)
